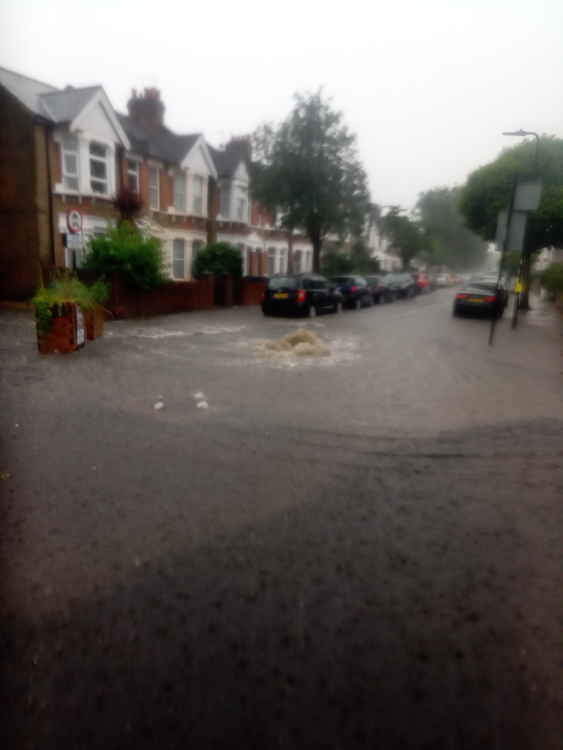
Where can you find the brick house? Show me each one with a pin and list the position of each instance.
(67, 153)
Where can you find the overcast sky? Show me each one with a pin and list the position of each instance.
(428, 86)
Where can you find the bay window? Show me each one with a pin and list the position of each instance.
(197, 203)
(99, 168)
(180, 193)
(69, 155)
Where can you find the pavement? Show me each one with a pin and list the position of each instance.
(207, 544)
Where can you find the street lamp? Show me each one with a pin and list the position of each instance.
(522, 134)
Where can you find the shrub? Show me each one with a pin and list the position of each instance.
(125, 251)
(552, 279)
(219, 257)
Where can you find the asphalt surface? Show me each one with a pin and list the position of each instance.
(358, 550)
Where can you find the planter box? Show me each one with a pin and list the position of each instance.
(66, 333)
(94, 321)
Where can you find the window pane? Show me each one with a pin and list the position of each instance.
(70, 163)
(97, 149)
(70, 182)
(178, 264)
(70, 142)
(180, 192)
(133, 182)
(98, 186)
(98, 169)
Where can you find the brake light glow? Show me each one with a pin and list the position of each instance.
(461, 296)
(354, 288)
(301, 295)
(490, 299)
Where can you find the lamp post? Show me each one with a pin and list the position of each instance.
(523, 301)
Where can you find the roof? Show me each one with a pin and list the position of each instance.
(65, 105)
(164, 144)
(226, 161)
(27, 90)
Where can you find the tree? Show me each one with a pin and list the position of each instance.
(335, 261)
(447, 240)
(405, 235)
(310, 171)
(219, 257)
(487, 192)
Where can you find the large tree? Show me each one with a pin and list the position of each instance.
(448, 241)
(308, 168)
(405, 235)
(488, 189)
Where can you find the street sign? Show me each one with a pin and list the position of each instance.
(74, 221)
(516, 232)
(74, 241)
(528, 195)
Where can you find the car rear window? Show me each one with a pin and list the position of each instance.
(282, 282)
(342, 279)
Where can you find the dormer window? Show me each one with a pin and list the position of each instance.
(197, 203)
(99, 168)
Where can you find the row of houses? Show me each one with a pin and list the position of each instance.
(66, 153)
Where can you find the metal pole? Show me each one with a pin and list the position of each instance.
(502, 258)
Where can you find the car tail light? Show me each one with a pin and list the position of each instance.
(301, 295)
(461, 296)
(492, 298)
(354, 288)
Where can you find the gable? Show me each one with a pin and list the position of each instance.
(198, 159)
(241, 173)
(96, 123)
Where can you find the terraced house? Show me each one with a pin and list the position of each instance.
(66, 153)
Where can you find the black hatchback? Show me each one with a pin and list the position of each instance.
(355, 291)
(300, 294)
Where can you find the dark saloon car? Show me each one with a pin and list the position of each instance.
(300, 294)
(379, 289)
(481, 297)
(355, 291)
(401, 284)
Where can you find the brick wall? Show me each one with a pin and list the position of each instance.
(176, 296)
(19, 238)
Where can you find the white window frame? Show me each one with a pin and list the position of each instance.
(225, 201)
(272, 260)
(97, 159)
(75, 152)
(154, 190)
(197, 199)
(176, 259)
(179, 196)
(242, 210)
(134, 170)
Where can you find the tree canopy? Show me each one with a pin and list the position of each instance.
(405, 235)
(308, 169)
(447, 240)
(487, 192)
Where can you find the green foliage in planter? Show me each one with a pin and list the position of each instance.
(49, 301)
(552, 279)
(219, 257)
(127, 252)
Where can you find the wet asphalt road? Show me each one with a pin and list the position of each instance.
(360, 550)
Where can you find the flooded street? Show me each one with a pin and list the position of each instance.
(359, 549)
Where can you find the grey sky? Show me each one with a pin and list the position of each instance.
(427, 86)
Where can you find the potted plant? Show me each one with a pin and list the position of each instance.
(59, 315)
(92, 306)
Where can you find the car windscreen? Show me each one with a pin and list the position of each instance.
(282, 282)
(342, 280)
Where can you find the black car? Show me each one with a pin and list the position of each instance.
(300, 294)
(401, 284)
(354, 290)
(380, 291)
(481, 297)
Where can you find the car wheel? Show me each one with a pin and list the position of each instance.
(336, 308)
(455, 312)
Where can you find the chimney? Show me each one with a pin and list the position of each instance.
(146, 109)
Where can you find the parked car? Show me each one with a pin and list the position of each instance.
(401, 284)
(442, 280)
(422, 281)
(354, 290)
(481, 297)
(300, 294)
(380, 291)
